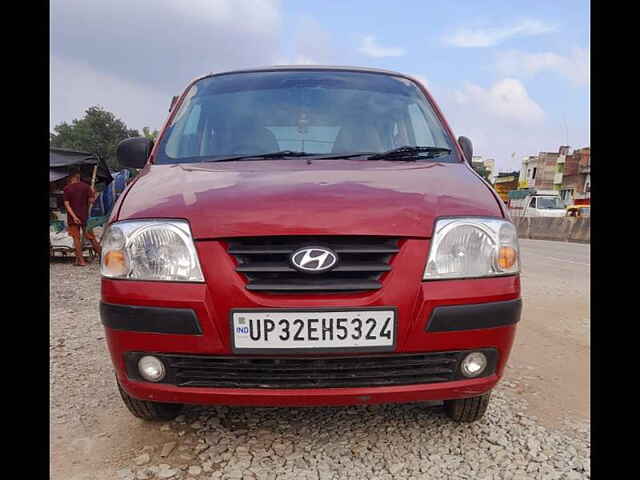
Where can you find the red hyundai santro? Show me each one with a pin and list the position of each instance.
(307, 236)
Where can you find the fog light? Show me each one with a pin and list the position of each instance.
(151, 368)
(474, 364)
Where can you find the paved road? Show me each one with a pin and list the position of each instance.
(565, 253)
(550, 358)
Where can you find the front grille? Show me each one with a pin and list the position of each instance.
(265, 262)
(327, 372)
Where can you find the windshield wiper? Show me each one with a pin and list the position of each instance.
(402, 153)
(322, 156)
(288, 153)
(259, 156)
(408, 153)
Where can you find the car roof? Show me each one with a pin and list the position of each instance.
(276, 68)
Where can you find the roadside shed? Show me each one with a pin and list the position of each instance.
(61, 162)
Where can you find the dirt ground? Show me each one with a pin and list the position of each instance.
(93, 436)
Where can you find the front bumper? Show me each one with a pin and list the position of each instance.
(417, 310)
(307, 397)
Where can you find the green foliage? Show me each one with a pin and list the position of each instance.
(149, 134)
(99, 132)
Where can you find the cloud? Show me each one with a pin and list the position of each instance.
(132, 57)
(491, 36)
(166, 43)
(75, 86)
(370, 48)
(507, 99)
(257, 16)
(312, 44)
(574, 67)
(500, 119)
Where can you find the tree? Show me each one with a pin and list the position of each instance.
(99, 132)
(146, 131)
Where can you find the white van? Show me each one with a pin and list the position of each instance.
(542, 203)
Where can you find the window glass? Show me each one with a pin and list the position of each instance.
(420, 126)
(316, 139)
(550, 202)
(314, 111)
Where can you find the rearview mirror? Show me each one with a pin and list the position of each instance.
(467, 148)
(134, 152)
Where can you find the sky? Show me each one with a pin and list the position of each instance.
(513, 76)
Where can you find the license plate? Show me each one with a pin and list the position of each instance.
(254, 331)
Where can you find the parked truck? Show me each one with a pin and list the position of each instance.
(535, 203)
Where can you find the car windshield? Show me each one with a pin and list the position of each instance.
(310, 111)
(550, 202)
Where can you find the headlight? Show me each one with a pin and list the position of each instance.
(150, 250)
(471, 248)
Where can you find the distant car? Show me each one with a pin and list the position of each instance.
(307, 236)
(579, 211)
(541, 203)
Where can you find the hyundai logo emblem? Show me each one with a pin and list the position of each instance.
(314, 259)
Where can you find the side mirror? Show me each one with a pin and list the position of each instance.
(134, 152)
(467, 148)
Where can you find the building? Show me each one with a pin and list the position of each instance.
(575, 187)
(506, 182)
(490, 164)
(547, 175)
(568, 173)
(560, 164)
(477, 162)
(541, 171)
(528, 171)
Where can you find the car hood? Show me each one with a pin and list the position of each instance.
(291, 197)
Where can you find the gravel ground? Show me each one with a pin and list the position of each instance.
(94, 437)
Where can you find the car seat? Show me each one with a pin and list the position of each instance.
(354, 137)
(249, 137)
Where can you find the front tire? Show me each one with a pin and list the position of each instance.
(150, 410)
(467, 410)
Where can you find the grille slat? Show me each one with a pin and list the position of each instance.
(343, 267)
(290, 365)
(264, 261)
(257, 250)
(310, 285)
(312, 372)
(258, 375)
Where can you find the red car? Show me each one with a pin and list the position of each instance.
(307, 236)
